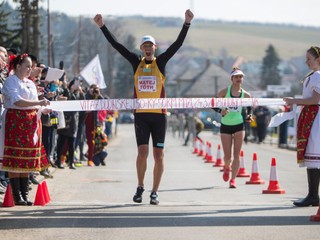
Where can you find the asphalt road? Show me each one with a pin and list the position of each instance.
(195, 203)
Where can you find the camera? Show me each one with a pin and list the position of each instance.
(96, 91)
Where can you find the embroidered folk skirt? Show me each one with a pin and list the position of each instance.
(21, 152)
(308, 135)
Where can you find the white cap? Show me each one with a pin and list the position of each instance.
(237, 72)
(148, 38)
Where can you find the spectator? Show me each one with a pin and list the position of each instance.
(100, 142)
(262, 116)
(198, 125)
(80, 139)
(91, 122)
(66, 136)
(22, 130)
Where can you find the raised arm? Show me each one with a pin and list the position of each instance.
(130, 56)
(174, 47)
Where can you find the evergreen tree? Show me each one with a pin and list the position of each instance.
(270, 73)
(8, 37)
(29, 26)
(4, 31)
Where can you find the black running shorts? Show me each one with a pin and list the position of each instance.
(150, 123)
(226, 129)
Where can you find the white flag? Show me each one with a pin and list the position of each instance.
(92, 73)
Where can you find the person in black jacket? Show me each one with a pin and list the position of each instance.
(81, 135)
(262, 115)
(67, 135)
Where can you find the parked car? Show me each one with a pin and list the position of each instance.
(126, 117)
(211, 120)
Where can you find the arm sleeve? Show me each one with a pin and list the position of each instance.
(174, 47)
(133, 58)
(315, 84)
(11, 92)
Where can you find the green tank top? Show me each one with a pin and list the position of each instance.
(234, 116)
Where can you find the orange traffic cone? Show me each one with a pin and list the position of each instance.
(8, 198)
(195, 146)
(206, 151)
(316, 218)
(219, 162)
(209, 156)
(273, 183)
(45, 192)
(255, 176)
(242, 171)
(39, 199)
(201, 147)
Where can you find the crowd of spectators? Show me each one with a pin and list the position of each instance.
(65, 135)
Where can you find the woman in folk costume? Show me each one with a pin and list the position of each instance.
(308, 127)
(23, 151)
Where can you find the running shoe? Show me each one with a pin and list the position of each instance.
(90, 163)
(226, 174)
(154, 198)
(232, 183)
(78, 164)
(138, 196)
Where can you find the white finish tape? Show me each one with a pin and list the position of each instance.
(161, 103)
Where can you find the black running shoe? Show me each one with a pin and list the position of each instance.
(154, 198)
(138, 196)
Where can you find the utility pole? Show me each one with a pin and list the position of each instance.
(25, 14)
(49, 33)
(36, 26)
(79, 47)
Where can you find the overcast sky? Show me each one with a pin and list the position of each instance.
(299, 12)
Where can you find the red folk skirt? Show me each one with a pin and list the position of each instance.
(305, 121)
(21, 154)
